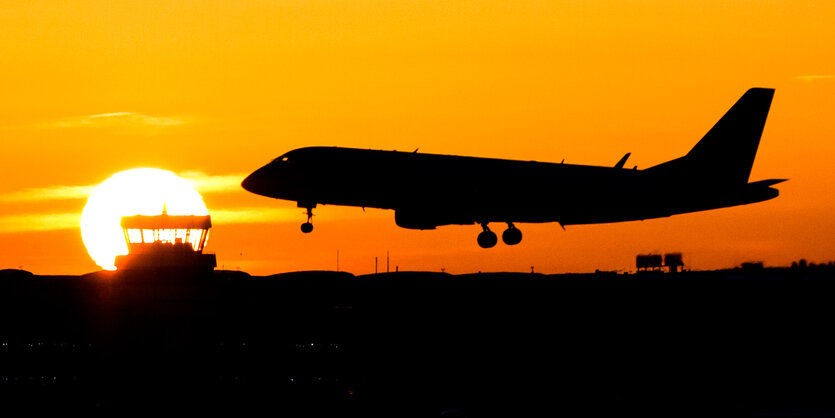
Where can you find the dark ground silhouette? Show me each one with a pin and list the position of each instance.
(743, 341)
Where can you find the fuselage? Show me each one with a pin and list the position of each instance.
(429, 190)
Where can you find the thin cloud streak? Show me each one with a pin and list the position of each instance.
(810, 78)
(47, 193)
(57, 221)
(203, 183)
(253, 215)
(110, 115)
(115, 120)
(39, 222)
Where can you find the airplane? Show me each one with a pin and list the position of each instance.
(430, 190)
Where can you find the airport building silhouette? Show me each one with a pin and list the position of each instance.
(166, 241)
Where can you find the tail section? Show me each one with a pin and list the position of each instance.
(726, 153)
(729, 147)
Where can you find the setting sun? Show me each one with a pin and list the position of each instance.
(142, 191)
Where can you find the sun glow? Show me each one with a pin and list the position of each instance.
(142, 191)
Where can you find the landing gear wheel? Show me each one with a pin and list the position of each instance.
(307, 227)
(487, 238)
(511, 235)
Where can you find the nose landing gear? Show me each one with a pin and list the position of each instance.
(307, 227)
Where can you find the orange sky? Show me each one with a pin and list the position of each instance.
(217, 89)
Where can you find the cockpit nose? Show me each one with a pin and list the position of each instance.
(258, 182)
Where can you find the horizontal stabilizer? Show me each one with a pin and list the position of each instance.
(767, 183)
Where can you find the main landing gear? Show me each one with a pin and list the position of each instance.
(488, 239)
(511, 235)
(307, 227)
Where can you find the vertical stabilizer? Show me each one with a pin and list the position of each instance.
(726, 153)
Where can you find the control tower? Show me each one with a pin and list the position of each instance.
(166, 241)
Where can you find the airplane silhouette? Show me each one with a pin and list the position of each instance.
(428, 190)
